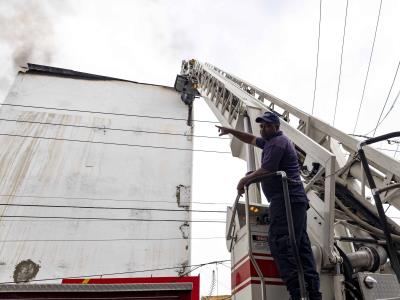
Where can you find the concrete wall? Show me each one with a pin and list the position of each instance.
(68, 173)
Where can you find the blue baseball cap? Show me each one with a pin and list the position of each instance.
(268, 117)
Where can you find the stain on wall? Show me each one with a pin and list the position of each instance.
(25, 271)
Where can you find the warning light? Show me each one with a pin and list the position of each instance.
(254, 209)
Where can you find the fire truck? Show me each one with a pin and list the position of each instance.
(355, 245)
(349, 183)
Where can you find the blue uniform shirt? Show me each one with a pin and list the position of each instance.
(279, 154)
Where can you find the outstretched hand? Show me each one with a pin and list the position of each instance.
(222, 130)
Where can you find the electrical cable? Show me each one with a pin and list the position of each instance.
(109, 240)
(110, 208)
(104, 199)
(105, 219)
(113, 129)
(316, 67)
(341, 63)
(113, 144)
(369, 64)
(201, 265)
(191, 270)
(106, 113)
(117, 273)
(384, 149)
(229, 267)
(387, 98)
(387, 113)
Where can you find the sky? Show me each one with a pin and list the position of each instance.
(269, 43)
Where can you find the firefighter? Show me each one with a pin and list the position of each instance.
(279, 154)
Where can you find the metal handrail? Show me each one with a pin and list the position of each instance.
(289, 218)
(295, 249)
(234, 209)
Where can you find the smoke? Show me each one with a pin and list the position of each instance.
(26, 35)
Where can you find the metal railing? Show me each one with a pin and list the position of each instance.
(289, 218)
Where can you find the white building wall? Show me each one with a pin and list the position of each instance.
(60, 172)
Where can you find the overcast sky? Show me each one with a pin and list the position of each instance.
(272, 44)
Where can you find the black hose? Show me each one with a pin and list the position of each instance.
(394, 259)
(348, 199)
(380, 138)
(347, 269)
(353, 291)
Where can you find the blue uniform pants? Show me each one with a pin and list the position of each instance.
(282, 252)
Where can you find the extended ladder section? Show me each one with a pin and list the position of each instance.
(335, 181)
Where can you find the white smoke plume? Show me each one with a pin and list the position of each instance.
(26, 35)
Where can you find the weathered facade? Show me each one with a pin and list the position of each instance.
(87, 188)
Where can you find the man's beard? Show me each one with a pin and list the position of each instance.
(267, 135)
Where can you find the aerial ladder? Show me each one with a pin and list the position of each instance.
(355, 245)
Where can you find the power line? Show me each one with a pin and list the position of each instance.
(229, 267)
(104, 199)
(113, 144)
(341, 63)
(199, 266)
(106, 113)
(316, 67)
(109, 240)
(113, 129)
(391, 150)
(369, 64)
(105, 219)
(388, 112)
(387, 98)
(120, 273)
(397, 150)
(110, 208)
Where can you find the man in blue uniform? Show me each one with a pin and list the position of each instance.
(279, 154)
